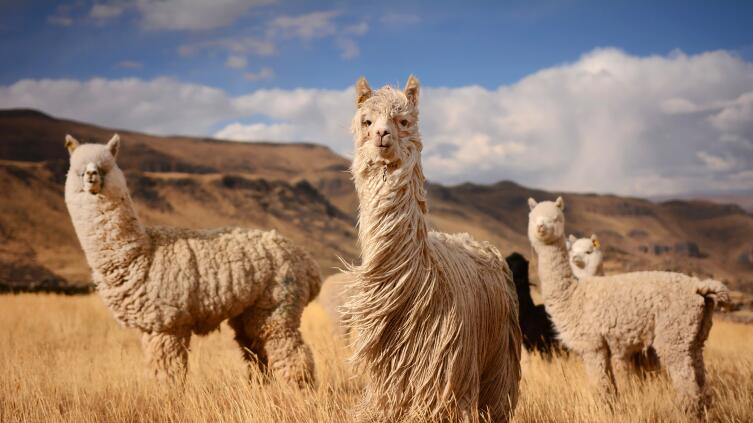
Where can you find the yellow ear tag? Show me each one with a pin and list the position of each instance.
(597, 244)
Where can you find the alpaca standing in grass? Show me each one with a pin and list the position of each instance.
(586, 258)
(616, 316)
(170, 283)
(535, 324)
(434, 315)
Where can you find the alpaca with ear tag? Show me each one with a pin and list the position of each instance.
(171, 283)
(607, 319)
(586, 257)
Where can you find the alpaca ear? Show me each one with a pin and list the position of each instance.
(114, 145)
(531, 203)
(572, 238)
(411, 90)
(559, 202)
(71, 143)
(363, 91)
(595, 241)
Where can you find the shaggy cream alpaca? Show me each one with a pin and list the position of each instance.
(616, 316)
(586, 258)
(434, 315)
(170, 283)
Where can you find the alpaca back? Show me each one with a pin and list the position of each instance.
(198, 278)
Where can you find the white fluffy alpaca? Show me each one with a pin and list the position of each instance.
(586, 258)
(170, 283)
(435, 316)
(602, 317)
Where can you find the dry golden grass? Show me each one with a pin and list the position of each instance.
(65, 359)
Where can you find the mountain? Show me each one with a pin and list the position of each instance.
(305, 191)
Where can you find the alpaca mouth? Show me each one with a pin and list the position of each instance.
(92, 187)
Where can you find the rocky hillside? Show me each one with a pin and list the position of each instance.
(304, 191)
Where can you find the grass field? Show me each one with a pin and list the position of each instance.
(65, 359)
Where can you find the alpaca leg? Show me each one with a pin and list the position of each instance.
(289, 357)
(688, 382)
(599, 372)
(278, 343)
(499, 392)
(621, 367)
(167, 354)
(251, 348)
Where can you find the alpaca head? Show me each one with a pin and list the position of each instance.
(93, 171)
(585, 254)
(546, 221)
(385, 126)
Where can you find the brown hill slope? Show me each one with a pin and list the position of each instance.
(304, 191)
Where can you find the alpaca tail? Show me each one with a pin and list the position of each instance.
(714, 290)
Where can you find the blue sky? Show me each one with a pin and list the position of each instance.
(447, 43)
(640, 98)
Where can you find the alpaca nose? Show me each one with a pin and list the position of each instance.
(381, 134)
(578, 260)
(541, 228)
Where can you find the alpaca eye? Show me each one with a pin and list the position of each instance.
(367, 122)
(404, 122)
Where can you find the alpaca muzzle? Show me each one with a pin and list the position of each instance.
(92, 179)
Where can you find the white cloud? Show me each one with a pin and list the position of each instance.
(360, 28)
(716, 163)
(238, 46)
(162, 105)
(192, 15)
(675, 106)
(177, 15)
(608, 122)
(104, 11)
(306, 27)
(62, 16)
(235, 62)
(348, 48)
(263, 74)
(280, 132)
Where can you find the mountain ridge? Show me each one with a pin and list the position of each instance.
(305, 191)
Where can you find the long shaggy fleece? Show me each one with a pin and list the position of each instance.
(616, 316)
(434, 315)
(170, 283)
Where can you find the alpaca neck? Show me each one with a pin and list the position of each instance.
(392, 228)
(558, 283)
(110, 234)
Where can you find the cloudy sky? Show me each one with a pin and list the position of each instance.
(628, 97)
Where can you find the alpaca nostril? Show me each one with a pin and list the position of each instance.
(383, 133)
